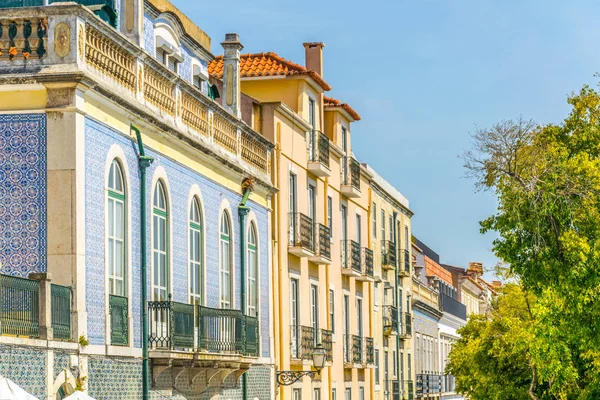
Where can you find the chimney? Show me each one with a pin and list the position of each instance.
(314, 56)
(496, 285)
(231, 74)
(475, 269)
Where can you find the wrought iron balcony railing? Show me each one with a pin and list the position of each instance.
(388, 254)
(409, 389)
(357, 349)
(20, 308)
(301, 232)
(367, 263)
(318, 148)
(61, 311)
(351, 172)
(323, 242)
(351, 258)
(172, 327)
(427, 384)
(327, 342)
(407, 262)
(369, 351)
(119, 320)
(303, 341)
(406, 325)
(390, 319)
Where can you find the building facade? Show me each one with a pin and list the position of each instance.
(79, 221)
(390, 233)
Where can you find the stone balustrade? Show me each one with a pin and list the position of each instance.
(70, 37)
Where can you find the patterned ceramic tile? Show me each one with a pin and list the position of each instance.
(23, 194)
(99, 139)
(25, 367)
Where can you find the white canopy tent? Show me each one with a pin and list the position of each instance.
(77, 395)
(11, 391)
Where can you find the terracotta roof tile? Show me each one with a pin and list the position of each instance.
(266, 64)
(331, 102)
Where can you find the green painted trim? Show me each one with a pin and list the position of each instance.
(225, 237)
(252, 247)
(195, 225)
(160, 212)
(116, 195)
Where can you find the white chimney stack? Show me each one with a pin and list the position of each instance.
(231, 74)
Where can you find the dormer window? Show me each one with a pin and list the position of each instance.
(168, 49)
(199, 74)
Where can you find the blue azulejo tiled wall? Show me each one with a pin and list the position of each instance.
(98, 140)
(22, 193)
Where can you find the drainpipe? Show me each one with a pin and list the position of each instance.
(397, 302)
(243, 211)
(144, 163)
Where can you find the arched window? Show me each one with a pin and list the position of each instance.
(252, 257)
(117, 263)
(160, 244)
(226, 266)
(196, 253)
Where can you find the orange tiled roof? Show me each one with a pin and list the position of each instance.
(331, 102)
(266, 64)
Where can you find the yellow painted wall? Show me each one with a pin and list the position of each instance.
(23, 97)
(267, 90)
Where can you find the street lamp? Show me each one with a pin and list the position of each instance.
(286, 378)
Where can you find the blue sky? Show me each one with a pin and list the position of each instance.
(423, 74)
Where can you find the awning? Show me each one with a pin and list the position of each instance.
(11, 391)
(79, 396)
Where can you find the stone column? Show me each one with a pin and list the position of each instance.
(231, 74)
(45, 304)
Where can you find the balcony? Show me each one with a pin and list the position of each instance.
(388, 255)
(350, 177)
(318, 153)
(452, 306)
(351, 258)
(428, 384)
(34, 308)
(390, 320)
(303, 340)
(406, 326)
(353, 350)
(301, 235)
(369, 357)
(219, 342)
(105, 9)
(367, 265)
(119, 328)
(322, 254)
(409, 390)
(122, 70)
(404, 267)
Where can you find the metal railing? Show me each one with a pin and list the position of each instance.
(390, 319)
(410, 391)
(357, 349)
(407, 326)
(323, 243)
(318, 148)
(61, 311)
(367, 269)
(452, 306)
(327, 342)
(427, 384)
(407, 261)
(172, 326)
(369, 351)
(19, 307)
(119, 316)
(303, 341)
(395, 389)
(351, 173)
(351, 258)
(301, 231)
(388, 253)
(227, 331)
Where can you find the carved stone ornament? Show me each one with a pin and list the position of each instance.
(129, 15)
(62, 39)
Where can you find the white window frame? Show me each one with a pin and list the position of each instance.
(196, 252)
(226, 261)
(160, 217)
(253, 270)
(116, 197)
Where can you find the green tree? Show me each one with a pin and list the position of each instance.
(547, 181)
(493, 360)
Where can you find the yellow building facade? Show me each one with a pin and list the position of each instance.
(389, 235)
